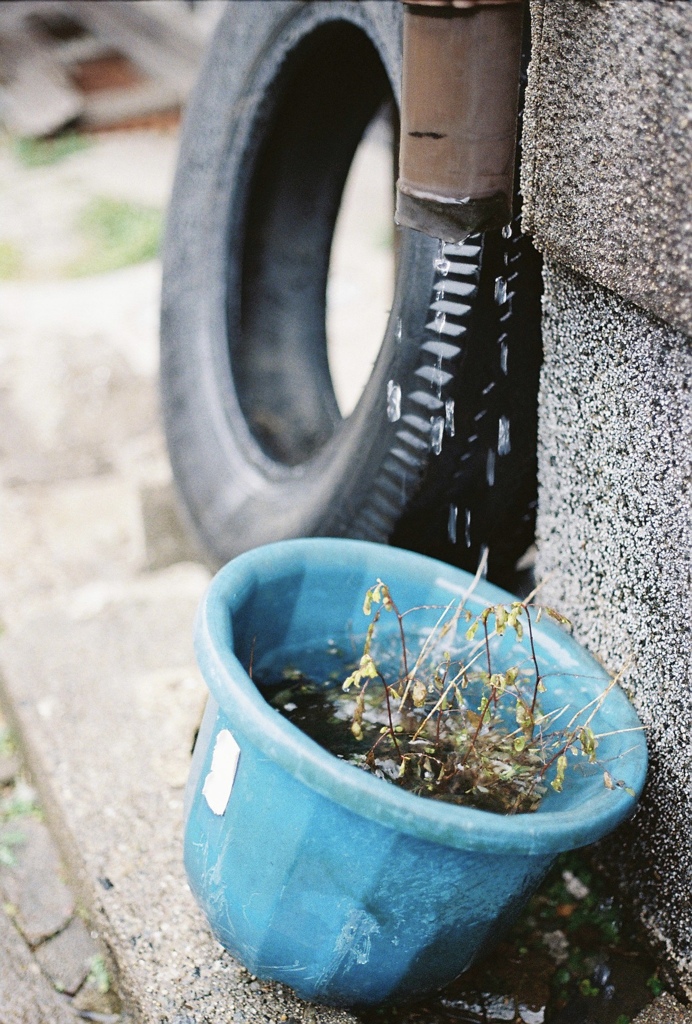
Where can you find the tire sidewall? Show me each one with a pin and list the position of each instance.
(236, 496)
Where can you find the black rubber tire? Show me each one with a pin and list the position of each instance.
(257, 444)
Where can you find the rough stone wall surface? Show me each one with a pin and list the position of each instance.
(608, 146)
(615, 473)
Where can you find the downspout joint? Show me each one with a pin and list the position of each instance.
(460, 94)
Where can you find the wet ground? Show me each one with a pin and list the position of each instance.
(574, 957)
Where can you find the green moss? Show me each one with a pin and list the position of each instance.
(98, 974)
(654, 983)
(116, 234)
(7, 743)
(43, 152)
(14, 807)
(8, 840)
(587, 989)
(10, 261)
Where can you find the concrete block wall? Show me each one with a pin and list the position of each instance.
(608, 199)
(607, 146)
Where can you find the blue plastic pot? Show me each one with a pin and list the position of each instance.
(313, 872)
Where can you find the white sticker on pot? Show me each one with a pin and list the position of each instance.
(224, 764)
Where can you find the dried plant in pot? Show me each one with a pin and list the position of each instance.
(326, 877)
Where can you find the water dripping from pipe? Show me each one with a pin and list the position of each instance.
(503, 358)
(504, 445)
(490, 467)
(452, 524)
(441, 263)
(393, 401)
(500, 291)
(437, 429)
(467, 527)
(449, 417)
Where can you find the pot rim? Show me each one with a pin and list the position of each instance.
(544, 832)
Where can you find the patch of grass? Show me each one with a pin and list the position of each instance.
(21, 800)
(8, 840)
(44, 152)
(10, 261)
(17, 805)
(98, 974)
(7, 744)
(117, 234)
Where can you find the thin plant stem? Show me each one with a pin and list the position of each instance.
(487, 647)
(476, 734)
(617, 732)
(419, 659)
(539, 586)
(389, 716)
(535, 665)
(436, 707)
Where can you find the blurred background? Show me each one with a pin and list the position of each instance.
(91, 101)
(99, 580)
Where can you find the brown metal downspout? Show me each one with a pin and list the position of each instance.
(460, 90)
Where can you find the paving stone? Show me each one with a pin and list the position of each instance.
(93, 1000)
(34, 887)
(26, 996)
(67, 956)
(665, 1010)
